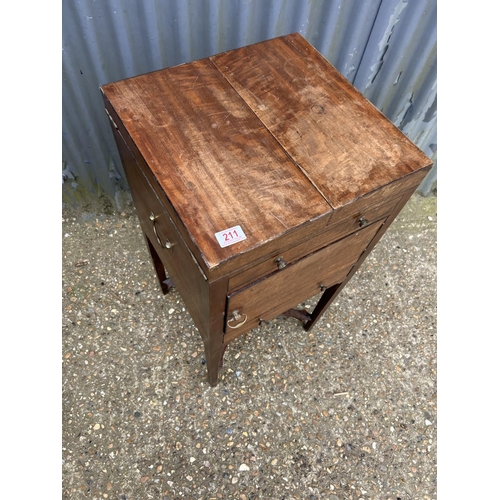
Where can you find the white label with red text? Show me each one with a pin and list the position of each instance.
(230, 236)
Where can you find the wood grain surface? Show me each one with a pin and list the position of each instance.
(217, 163)
(345, 145)
(312, 244)
(272, 138)
(301, 280)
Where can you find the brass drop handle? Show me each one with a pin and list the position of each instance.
(281, 263)
(237, 318)
(167, 244)
(362, 222)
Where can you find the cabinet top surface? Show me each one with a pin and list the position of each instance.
(266, 137)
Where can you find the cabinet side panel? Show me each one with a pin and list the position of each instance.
(178, 261)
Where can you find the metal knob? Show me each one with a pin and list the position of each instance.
(322, 287)
(281, 263)
(362, 222)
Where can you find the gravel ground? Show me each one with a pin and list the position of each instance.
(347, 411)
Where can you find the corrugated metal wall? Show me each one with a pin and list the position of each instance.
(386, 48)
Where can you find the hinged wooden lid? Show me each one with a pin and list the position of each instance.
(345, 146)
(266, 137)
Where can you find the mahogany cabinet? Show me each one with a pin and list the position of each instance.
(261, 178)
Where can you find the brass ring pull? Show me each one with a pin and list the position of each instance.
(362, 222)
(167, 244)
(236, 316)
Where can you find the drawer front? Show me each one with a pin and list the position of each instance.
(387, 196)
(299, 281)
(363, 217)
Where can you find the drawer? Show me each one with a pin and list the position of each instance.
(161, 231)
(384, 198)
(360, 215)
(297, 282)
(365, 216)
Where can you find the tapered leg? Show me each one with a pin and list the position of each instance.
(213, 336)
(326, 299)
(159, 267)
(214, 353)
